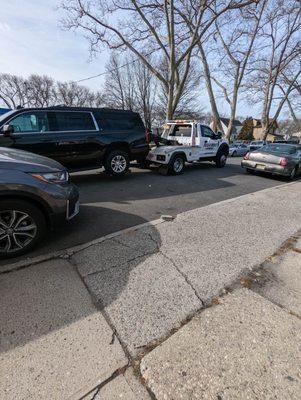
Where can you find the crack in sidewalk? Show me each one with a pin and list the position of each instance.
(187, 280)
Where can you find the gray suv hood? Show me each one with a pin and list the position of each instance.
(27, 162)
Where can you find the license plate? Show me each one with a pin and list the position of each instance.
(260, 166)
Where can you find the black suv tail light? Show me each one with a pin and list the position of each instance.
(148, 136)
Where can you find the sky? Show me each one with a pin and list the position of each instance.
(32, 41)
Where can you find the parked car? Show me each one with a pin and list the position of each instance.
(278, 159)
(78, 138)
(35, 195)
(257, 144)
(238, 149)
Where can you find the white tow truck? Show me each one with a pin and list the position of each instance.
(187, 141)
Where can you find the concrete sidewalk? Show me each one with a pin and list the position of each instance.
(246, 346)
(71, 327)
(151, 280)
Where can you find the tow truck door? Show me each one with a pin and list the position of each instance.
(209, 143)
(197, 143)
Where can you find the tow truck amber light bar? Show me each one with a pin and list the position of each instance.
(180, 121)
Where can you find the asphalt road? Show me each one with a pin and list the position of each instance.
(108, 205)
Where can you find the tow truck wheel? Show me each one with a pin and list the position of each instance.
(220, 160)
(176, 165)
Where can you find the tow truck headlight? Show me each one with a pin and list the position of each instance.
(160, 157)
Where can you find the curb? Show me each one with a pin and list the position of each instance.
(66, 253)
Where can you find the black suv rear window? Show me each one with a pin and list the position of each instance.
(74, 121)
(119, 121)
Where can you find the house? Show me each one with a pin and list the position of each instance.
(237, 126)
(296, 136)
(258, 131)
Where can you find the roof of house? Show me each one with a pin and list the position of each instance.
(227, 120)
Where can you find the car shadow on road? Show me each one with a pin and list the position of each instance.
(149, 184)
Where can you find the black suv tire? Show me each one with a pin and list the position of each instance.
(22, 226)
(117, 163)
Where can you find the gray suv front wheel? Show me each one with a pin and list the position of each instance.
(22, 226)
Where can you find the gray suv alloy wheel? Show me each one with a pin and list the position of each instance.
(21, 227)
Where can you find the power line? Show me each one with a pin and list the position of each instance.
(114, 69)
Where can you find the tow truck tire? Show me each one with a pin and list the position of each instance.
(176, 165)
(221, 158)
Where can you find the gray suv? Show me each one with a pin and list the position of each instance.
(35, 195)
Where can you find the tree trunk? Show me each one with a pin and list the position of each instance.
(215, 114)
(265, 128)
(169, 106)
(233, 113)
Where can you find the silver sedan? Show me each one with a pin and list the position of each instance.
(275, 158)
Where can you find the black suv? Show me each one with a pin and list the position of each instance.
(35, 194)
(78, 138)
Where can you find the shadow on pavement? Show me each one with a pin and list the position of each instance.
(44, 298)
(149, 184)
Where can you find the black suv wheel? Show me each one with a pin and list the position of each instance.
(117, 163)
(22, 226)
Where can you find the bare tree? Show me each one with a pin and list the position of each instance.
(72, 94)
(129, 85)
(43, 91)
(13, 91)
(170, 29)
(145, 93)
(188, 105)
(213, 11)
(234, 50)
(277, 68)
(120, 82)
(40, 90)
(289, 126)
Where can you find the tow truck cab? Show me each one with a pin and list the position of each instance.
(190, 140)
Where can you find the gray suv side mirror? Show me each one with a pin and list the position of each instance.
(7, 130)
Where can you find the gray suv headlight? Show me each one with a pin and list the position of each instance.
(53, 177)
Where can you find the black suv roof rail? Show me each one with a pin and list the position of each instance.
(85, 108)
(58, 106)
